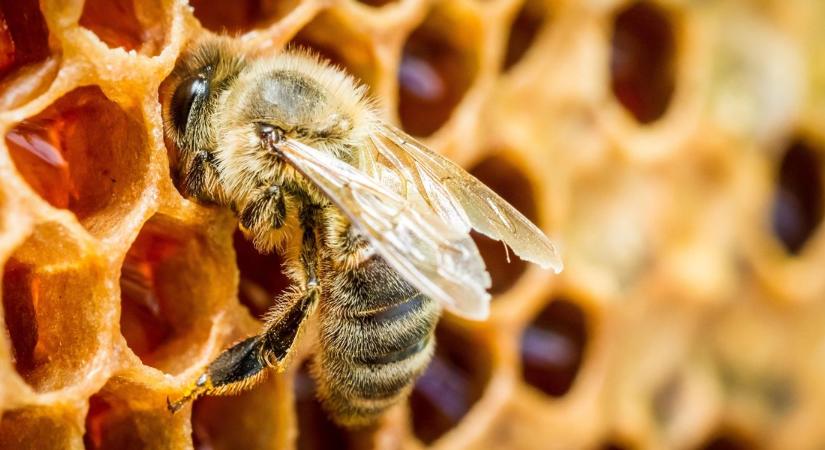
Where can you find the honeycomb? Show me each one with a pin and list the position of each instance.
(675, 149)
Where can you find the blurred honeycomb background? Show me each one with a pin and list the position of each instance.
(674, 148)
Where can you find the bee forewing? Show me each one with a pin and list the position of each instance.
(439, 260)
(428, 189)
(479, 206)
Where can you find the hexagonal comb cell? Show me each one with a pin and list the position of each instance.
(83, 153)
(127, 24)
(262, 277)
(24, 38)
(642, 61)
(797, 206)
(245, 420)
(438, 66)
(55, 309)
(170, 283)
(527, 24)
(509, 182)
(454, 381)
(126, 416)
(239, 16)
(348, 48)
(552, 347)
(39, 428)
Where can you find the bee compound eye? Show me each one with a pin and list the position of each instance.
(184, 98)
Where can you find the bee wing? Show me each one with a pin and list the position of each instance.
(442, 262)
(461, 199)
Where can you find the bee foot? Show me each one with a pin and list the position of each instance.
(200, 387)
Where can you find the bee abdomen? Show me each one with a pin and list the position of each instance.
(376, 338)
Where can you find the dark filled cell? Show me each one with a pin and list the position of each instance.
(99, 411)
(239, 16)
(797, 207)
(643, 61)
(262, 277)
(552, 348)
(523, 31)
(377, 3)
(315, 429)
(24, 37)
(6, 46)
(725, 441)
(613, 445)
(454, 381)
(434, 74)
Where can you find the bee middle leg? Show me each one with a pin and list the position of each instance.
(244, 364)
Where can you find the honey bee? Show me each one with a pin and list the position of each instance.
(373, 226)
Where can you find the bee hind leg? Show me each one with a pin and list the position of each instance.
(233, 370)
(242, 365)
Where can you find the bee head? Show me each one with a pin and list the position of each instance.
(189, 95)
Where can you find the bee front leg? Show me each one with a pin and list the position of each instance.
(201, 177)
(264, 213)
(266, 209)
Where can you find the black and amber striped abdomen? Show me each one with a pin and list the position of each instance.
(376, 337)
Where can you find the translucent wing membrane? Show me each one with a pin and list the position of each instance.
(417, 209)
(460, 199)
(427, 249)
